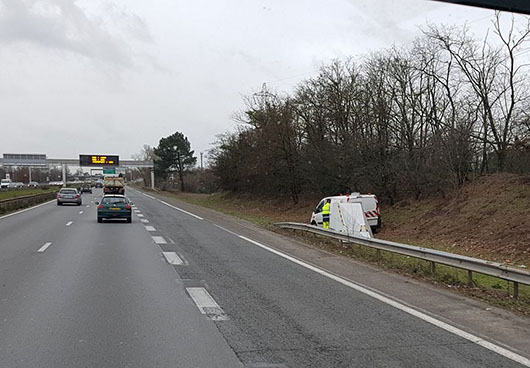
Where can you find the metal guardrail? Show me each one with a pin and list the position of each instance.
(470, 264)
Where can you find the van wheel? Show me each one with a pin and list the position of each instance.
(314, 223)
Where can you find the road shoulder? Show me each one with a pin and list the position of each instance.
(491, 323)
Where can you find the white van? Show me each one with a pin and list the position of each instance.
(4, 183)
(368, 201)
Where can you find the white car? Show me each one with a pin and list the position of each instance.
(4, 183)
(368, 201)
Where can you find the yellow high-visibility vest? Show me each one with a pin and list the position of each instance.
(325, 209)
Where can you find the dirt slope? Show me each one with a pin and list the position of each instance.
(489, 218)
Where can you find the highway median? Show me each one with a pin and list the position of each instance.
(13, 200)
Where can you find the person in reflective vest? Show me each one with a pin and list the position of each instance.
(325, 214)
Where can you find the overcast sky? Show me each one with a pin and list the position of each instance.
(110, 76)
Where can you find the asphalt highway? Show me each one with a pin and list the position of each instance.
(174, 289)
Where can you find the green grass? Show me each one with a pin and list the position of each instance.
(219, 203)
(25, 192)
(490, 289)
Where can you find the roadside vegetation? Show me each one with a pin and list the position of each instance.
(499, 231)
(405, 123)
(438, 129)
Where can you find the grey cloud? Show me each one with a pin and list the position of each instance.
(63, 25)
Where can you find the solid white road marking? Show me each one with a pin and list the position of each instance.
(26, 209)
(44, 247)
(150, 228)
(423, 316)
(173, 258)
(148, 196)
(144, 220)
(159, 240)
(206, 304)
(228, 231)
(181, 210)
(80, 212)
(69, 223)
(140, 215)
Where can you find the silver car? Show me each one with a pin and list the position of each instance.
(69, 195)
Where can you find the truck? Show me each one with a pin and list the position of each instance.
(113, 185)
(369, 203)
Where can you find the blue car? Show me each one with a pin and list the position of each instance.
(114, 206)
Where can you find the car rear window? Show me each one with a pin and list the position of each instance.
(113, 200)
(68, 191)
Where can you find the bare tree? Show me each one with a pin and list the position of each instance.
(495, 78)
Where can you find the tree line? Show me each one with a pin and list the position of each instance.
(405, 121)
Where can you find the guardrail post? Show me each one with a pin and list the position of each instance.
(433, 256)
(515, 290)
(379, 256)
(470, 278)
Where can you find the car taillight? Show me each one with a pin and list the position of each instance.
(58, 195)
(77, 195)
(128, 207)
(100, 207)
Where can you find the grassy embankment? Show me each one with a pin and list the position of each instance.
(489, 219)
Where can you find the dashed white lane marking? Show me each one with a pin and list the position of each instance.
(206, 303)
(80, 212)
(137, 211)
(181, 210)
(139, 215)
(69, 223)
(150, 228)
(173, 258)
(88, 205)
(159, 240)
(144, 221)
(425, 317)
(26, 209)
(44, 247)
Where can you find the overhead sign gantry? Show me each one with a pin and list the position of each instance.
(41, 160)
